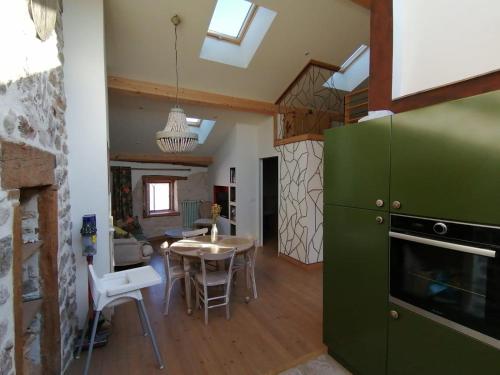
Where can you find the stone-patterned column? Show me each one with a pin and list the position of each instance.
(32, 111)
(301, 201)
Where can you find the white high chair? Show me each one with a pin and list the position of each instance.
(115, 288)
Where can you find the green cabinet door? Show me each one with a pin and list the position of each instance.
(445, 160)
(357, 164)
(355, 288)
(419, 346)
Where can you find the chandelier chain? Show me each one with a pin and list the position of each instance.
(176, 69)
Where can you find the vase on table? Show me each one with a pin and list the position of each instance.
(213, 233)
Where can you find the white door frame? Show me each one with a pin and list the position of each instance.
(260, 223)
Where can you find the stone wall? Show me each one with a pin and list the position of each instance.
(301, 201)
(32, 107)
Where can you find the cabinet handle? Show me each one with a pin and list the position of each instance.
(379, 219)
(394, 314)
(396, 204)
(379, 203)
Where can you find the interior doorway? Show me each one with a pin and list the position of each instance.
(270, 196)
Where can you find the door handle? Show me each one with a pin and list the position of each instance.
(394, 314)
(379, 203)
(445, 245)
(379, 219)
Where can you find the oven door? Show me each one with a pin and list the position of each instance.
(455, 281)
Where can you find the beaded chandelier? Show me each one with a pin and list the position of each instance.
(176, 137)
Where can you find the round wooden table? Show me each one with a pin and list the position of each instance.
(190, 248)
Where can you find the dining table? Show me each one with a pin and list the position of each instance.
(189, 250)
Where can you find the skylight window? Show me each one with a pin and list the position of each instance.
(231, 19)
(193, 121)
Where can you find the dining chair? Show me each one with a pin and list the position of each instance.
(243, 263)
(206, 279)
(194, 233)
(173, 272)
(113, 289)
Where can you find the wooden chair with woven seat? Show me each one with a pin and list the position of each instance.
(247, 264)
(173, 272)
(205, 215)
(206, 279)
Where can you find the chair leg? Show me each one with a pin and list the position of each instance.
(82, 338)
(197, 294)
(228, 291)
(168, 292)
(247, 275)
(205, 305)
(141, 318)
(151, 334)
(91, 343)
(254, 284)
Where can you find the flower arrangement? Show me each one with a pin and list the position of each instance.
(216, 208)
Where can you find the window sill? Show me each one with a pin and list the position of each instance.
(160, 214)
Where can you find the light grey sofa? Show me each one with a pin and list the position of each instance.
(129, 251)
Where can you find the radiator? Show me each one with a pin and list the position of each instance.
(189, 211)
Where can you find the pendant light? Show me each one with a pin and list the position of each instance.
(176, 137)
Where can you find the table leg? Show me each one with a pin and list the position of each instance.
(187, 284)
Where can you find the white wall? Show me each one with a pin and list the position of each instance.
(87, 123)
(439, 42)
(242, 149)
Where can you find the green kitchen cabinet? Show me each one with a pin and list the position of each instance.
(418, 346)
(357, 165)
(355, 287)
(445, 160)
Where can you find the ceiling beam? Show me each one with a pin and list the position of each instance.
(189, 96)
(364, 3)
(190, 160)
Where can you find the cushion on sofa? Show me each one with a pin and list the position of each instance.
(120, 233)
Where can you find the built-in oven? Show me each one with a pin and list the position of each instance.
(448, 271)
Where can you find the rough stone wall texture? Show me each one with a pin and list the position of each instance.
(301, 201)
(194, 188)
(32, 107)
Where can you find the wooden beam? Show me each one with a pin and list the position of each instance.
(191, 160)
(190, 96)
(381, 54)
(50, 335)
(17, 273)
(25, 166)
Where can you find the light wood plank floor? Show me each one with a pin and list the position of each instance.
(278, 330)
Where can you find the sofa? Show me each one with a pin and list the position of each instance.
(130, 245)
(129, 251)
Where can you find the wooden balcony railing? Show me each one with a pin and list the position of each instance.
(355, 105)
(308, 106)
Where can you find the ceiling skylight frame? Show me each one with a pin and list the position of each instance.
(194, 122)
(243, 29)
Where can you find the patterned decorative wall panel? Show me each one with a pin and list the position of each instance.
(301, 201)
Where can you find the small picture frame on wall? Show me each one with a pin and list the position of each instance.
(232, 175)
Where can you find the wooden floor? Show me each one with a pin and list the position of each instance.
(276, 331)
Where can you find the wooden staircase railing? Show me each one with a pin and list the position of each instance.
(355, 105)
